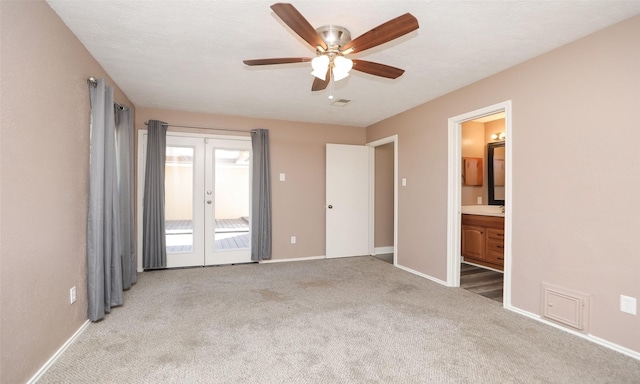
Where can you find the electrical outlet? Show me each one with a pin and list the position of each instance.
(72, 295)
(293, 239)
(628, 304)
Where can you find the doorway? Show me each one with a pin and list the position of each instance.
(454, 257)
(207, 199)
(356, 183)
(384, 204)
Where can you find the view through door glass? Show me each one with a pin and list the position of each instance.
(231, 228)
(184, 201)
(178, 181)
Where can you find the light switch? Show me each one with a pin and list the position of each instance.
(404, 181)
(282, 177)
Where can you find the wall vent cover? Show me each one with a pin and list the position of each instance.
(341, 102)
(565, 306)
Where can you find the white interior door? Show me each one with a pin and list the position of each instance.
(207, 199)
(347, 205)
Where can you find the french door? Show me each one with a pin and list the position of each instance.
(207, 199)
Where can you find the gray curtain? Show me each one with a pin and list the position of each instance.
(154, 252)
(124, 151)
(104, 224)
(261, 197)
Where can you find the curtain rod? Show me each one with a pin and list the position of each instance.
(208, 128)
(93, 82)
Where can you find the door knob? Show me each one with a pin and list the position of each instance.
(330, 206)
(208, 201)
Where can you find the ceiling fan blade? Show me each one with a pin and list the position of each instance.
(287, 13)
(319, 84)
(282, 60)
(383, 33)
(377, 69)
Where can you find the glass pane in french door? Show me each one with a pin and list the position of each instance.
(183, 201)
(178, 181)
(232, 197)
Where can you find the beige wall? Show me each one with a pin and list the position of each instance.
(231, 193)
(383, 205)
(474, 145)
(178, 192)
(44, 193)
(232, 197)
(298, 150)
(575, 145)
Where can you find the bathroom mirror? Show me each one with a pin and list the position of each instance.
(496, 172)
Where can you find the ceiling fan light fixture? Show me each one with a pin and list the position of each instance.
(342, 63)
(320, 64)
(339, 75)
(341, 67)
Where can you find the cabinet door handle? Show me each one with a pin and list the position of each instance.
(500, 247)
(499, 234)
(500, 258)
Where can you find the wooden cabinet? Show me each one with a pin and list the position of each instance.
(483, 240)
(472, 171)
(473, 241)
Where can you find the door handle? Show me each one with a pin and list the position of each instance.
(330, 206)
(208, 201)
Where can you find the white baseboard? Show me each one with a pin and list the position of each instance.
(58, 353)
(383, 250)
(293, 259)
(618, 348)
(422, 275)
(589, 337)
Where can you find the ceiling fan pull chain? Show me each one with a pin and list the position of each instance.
(330, 87)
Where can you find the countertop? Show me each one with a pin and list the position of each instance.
(484, 210)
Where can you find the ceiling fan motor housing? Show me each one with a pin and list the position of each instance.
(334, 36)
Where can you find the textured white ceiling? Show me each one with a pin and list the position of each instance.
(187, 55)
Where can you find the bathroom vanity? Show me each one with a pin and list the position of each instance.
(482, 235)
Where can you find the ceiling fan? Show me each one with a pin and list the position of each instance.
(333, 43)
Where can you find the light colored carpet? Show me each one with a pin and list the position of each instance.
(355, 320)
